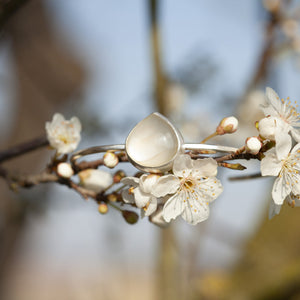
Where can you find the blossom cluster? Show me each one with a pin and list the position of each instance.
(188, 187)
(187, 192)
(281, 125)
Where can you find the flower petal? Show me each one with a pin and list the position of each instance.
(296, 134)
(127, 197)
(57, 119)
(76, 123)
(132, 181)
(206, 167)
(270, 165)
(274, 209)
(167, 184)
(274, 99)
(151, 207)
(295, 180)
(195, 212)
(173, 208)
(141, 198)
(283, 144)
(296, 148)
(270, 126)
(211, 187)
(147, 182)
(182, 165)
(280, 190)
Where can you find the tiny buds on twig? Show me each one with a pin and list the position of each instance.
(65, 170)
(112, 197)
(232, 166)
(227, 125)
(130, 216)
(103, 208)
(95, 180)
(253, 145)
(118, 176)
(110, 159)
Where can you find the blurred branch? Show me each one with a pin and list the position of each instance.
(8, 8)
(167, 281)
(47, 176)
(245, 177)
(23, 148)
(268, 49)
(160, 78)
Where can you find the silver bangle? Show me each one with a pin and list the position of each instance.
(152, 145)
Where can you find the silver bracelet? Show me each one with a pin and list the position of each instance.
(152, 145)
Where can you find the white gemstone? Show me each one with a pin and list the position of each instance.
(153, 144)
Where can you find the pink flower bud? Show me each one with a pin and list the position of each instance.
(227, 125)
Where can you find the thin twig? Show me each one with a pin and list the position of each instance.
(96, 163)
(23, 148)
(245, 177)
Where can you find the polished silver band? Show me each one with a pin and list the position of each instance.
(121, 147)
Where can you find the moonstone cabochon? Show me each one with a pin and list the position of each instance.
(153, 144)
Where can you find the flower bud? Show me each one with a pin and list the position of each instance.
(65, 170)
(110, 159)
(118, 176)
(130, 216)
(227, 125)
(267, 128)
(95, 180)
(103, 208)
(253, 145)
(112, 197)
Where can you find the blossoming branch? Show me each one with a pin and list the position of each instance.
(174, 178)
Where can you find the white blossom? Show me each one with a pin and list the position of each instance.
(63, 135)
(140, 192)
(288, 119)
(270, 128)
(286, 169)
(95, 180)
(292, 200)
(192, 187)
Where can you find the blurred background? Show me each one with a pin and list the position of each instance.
(112, 63)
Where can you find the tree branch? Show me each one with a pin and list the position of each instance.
(23, 148)
(9, 8)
